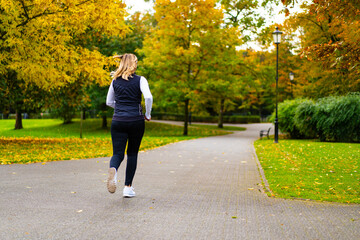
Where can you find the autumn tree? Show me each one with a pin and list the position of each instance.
(241, 20)
(329, 51)
(220, 85)
(243, 14)
(37, 40)
(179, 49)
(341, 51)
(257, 76)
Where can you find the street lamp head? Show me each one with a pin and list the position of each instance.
(277, 36)
(291, 76)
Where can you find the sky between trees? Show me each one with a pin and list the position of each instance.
(278, 16)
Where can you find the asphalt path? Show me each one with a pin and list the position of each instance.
(209, 188)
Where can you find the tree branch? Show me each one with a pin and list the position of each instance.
(199, 68)
(25, 11)
(28, 19)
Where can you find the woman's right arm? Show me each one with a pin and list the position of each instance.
(110, 98)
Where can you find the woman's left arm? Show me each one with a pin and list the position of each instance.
(110, 98)
(144, 87)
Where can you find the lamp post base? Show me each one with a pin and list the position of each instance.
(276, 131)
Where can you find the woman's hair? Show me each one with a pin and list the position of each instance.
(128, 65)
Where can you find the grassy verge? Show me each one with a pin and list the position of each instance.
(308, 169)
(50, 140)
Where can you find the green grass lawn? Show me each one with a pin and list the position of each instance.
(50, 140)
(53, 128)
(309, 169)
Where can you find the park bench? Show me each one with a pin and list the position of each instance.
(265, 133)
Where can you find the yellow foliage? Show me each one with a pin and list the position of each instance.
(32, 150)
(38, 39)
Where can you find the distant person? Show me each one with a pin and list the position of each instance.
(128, 122)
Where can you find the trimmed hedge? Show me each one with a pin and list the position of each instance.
(335, 118)
(208, 119)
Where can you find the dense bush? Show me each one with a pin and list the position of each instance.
(286, 115)
(304, 119)
(209, 119)
(329, 119)
(338, 118)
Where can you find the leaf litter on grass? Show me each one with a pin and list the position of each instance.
(49, 140)
(311, 170)
(31, 150)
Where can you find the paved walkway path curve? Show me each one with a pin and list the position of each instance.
(199, 189)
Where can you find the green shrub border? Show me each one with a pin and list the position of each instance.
(333, 118)
(208, 119)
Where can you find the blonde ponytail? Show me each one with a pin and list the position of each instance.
(127, 66)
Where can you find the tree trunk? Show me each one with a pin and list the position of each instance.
(104, 122)
(67, 119)
(83, 114)
(81, 123)
(18, 122)
(221, 112)
(260, 113)
(186, 117)
(68, 116)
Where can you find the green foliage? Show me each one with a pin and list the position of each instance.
(335, 118)
(304, 119)
(67, 100)
(257, 75)
(188, 47)
(286, 116)
(243, 13)
(338, 118)
(20, 97)
(309, 169)
(97, 95)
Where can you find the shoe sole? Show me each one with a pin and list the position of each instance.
(111, 185)
(128, 196)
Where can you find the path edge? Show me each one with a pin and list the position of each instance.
(264, 181)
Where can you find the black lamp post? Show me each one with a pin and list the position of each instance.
(277, 40)
(291, 76)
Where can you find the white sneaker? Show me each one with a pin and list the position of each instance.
(128, 192)
(111, 182)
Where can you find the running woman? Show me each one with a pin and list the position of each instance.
(128, 122)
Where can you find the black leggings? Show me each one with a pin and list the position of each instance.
(121, 133)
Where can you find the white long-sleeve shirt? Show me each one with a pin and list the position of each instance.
(145, 90)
